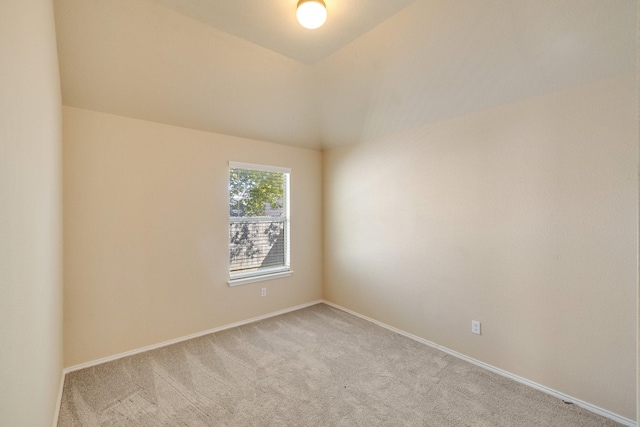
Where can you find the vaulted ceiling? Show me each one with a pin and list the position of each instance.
(246, 68)
(273, 24)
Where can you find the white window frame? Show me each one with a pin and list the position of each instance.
(272, 272)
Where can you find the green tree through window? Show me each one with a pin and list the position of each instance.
(251, 191)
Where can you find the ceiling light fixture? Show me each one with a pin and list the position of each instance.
(311, 14)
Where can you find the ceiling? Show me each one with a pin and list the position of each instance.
(245, 67)
(273, 24)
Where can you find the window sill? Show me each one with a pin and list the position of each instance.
(258, 278)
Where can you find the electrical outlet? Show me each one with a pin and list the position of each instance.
(475, 327)
(263, 292)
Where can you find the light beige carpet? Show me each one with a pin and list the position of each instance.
(314, 367)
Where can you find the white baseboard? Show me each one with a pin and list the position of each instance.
(588, 406)
(56, 413)
(185, 338)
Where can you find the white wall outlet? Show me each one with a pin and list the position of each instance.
(475, 327)
(263, 292)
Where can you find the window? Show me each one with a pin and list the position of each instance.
(258, 223)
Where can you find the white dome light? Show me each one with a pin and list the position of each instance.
(311, 14)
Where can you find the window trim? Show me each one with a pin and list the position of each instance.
(269, 273)
(277, 273)
(264, 168)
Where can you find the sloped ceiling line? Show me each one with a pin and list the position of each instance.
(246, 68)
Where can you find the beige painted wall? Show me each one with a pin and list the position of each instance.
(146, 233)
(30, 215)
(638, 293)
(523, 217)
